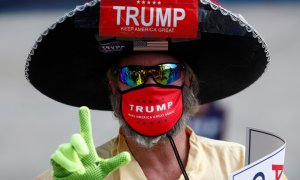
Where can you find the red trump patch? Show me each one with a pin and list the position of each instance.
(152, 110)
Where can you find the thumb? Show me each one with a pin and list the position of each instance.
(111, 164)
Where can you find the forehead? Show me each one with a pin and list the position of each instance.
(147, 59)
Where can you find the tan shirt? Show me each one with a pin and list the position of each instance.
(208, 159)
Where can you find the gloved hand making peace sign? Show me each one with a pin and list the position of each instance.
(79, 160)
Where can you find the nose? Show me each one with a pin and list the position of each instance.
(150, 80)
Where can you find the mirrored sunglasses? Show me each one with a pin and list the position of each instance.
(164, 74)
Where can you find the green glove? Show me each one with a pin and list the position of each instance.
(78, 160)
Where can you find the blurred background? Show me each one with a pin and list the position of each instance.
(32, 125)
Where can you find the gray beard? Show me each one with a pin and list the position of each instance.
(190, 104)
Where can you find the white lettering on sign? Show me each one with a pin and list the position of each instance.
(133, 16)
(178, 11)
(118, 8)
(162, 19)
(131, 107)
(161, 108)
(168, 113)
(150, 109)
(139, 109)
(150, 19)
(112, 47)
(169, 104)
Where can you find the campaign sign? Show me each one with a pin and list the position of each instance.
(271, 165)
(149, 18)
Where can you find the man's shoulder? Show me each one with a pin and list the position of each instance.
(222, 154)
(224, 149)
(219, 144)
(212, 143)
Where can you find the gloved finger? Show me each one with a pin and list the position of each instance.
(79, 145)
(67, 158)
(86, 133)
(111, 164)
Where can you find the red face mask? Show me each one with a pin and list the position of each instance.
(152, 110)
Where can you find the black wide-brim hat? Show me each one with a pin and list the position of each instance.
(67, 64)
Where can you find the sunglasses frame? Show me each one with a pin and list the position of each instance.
(148, 72)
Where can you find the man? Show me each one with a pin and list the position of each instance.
(158, 151)
(157, 64)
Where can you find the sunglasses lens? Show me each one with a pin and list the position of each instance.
(167, 73)
(131, 76)
(163, 74)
